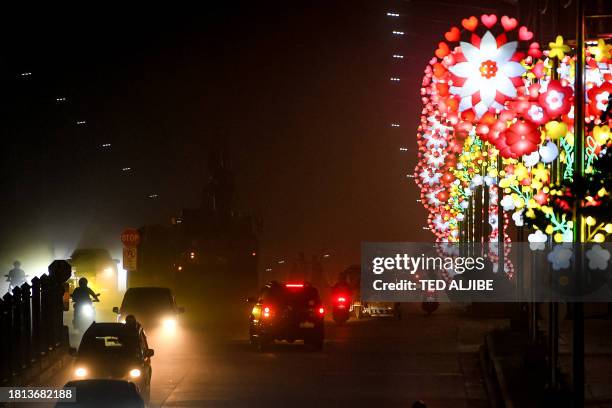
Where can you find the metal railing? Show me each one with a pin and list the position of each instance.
(31, 321)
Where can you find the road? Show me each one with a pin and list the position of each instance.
(371, 363)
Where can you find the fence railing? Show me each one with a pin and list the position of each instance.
(31, 321)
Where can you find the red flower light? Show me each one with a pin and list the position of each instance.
(557, 100)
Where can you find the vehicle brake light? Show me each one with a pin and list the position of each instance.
(294, 285)
(321, 311)
(341, 299)
(267, 312)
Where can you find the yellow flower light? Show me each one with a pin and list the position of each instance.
(599, 238)
(519, 203)
(558, 237)
(590, 221)
(601, 51)
(521, 172)
(547, 210)
(549, 229)
(540, 172)
(555, 129)
(558, 48)
(602, 134)
(608, 228)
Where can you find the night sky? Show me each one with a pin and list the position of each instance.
(297, 92)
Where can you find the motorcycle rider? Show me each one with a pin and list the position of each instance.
(83, 308)
(84, 294)
(342, 285)
(341, 295)
(130, 321)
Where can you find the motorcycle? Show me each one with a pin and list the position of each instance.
(84, 315)
(13, 283)
(340, 308)
(430, 302)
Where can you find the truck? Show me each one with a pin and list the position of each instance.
(361, 309)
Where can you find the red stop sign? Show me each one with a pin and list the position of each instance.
(130, 237)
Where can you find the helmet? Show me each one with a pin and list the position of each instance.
(131, 320)
(83, 282)
(16, 264)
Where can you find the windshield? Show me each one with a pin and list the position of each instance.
(148, 300)
(295, 297)
(95, 345)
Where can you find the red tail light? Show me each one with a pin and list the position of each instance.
(321, 311)
(341, 299)
(294, 285)
(266, 311)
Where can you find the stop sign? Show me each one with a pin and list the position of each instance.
(130, 237)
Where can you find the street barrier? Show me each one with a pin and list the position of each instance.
(31, 323)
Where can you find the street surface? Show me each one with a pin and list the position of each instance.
(372, 363)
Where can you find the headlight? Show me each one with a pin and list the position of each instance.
(169, 324)
(80, 372)
(87, 310)
(135, 373)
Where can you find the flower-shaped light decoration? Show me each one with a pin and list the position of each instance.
(602, 51)
(557, 100)
(558, 48)
(537, 240)
(598, 257)
(485, 74)
(599, 97)
(560, 257)
(522, 137)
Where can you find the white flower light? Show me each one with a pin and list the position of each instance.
(531, 159)
(507, 203)
(602, 100)
(537, 240)
(560, 257)
(517, 216)
(554, 99)
(598, 257)
(536, 112)
(488, 70)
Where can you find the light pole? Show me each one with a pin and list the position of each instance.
(578, 312)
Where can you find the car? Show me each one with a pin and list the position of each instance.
(98, 266)
(114, 351)
(103, 394)
(153, 307)
(287, 311)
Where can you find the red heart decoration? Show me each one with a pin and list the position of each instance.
(470, 23)
(442, 50)
(488, 20)
(508, 23)
(524, 34)
(453, 35)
